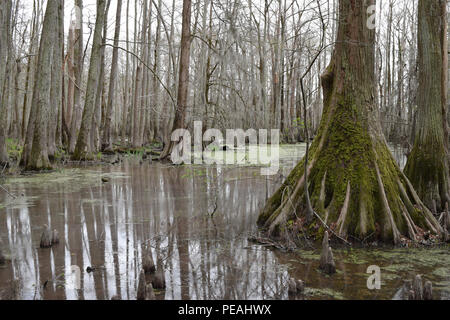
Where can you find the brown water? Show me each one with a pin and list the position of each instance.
(168, 210)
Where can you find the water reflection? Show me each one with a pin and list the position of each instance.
(106, 229)
(165, 209)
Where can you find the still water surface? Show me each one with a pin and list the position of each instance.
(167, 210)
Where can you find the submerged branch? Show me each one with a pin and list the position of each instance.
(9, 193)
(331, 230)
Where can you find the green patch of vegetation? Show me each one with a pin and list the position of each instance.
(192, 172)
(309, 255)
(92, 201)
(69, 179)
(19, 203)
(419, 257)
(353, 257)
(399, 267)
(388, 277)
(442, 272)
(14, 149)
(60, 154)
(324, 292)
(442, 284)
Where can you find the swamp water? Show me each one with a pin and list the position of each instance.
(167, 209)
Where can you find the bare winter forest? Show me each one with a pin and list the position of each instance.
(357, 89)
(118, 73)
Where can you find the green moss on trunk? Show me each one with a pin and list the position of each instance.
(355, 185)
(427, 165)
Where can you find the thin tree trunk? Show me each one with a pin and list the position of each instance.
(56, 87)
(107, 141)
(5, 39)
(94, 70)
(34, 41)
(78, 68)
(127, 90)
(183, 86)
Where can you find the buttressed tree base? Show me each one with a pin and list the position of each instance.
(355, 185)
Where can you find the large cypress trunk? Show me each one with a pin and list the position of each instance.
(40, 108)
(356, 186)
(427, 165)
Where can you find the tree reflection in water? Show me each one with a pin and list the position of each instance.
(166, 211)
(163, 209)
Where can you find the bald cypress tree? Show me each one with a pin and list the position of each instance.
(356, 186)
(427, 165)
(91, 89)
(5, 39)
(37, 137)
(183, 85)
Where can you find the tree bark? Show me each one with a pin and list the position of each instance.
(78, 62)
(5, 40)
(38, 158)
(427, 165)
(183, 85)
(57, 82)
(94, 70)
(356, 187)
(107, 141)
(98, 120)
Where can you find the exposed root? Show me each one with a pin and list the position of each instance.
(331, 230)
(281, 213)
(411, 233)
(329, 208)
(432, 223)
(284, 210)
(408, 208)
(387, 210)
(322, 192)
(342, 217)
(362, 215)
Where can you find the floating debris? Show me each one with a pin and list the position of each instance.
(105, 180)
